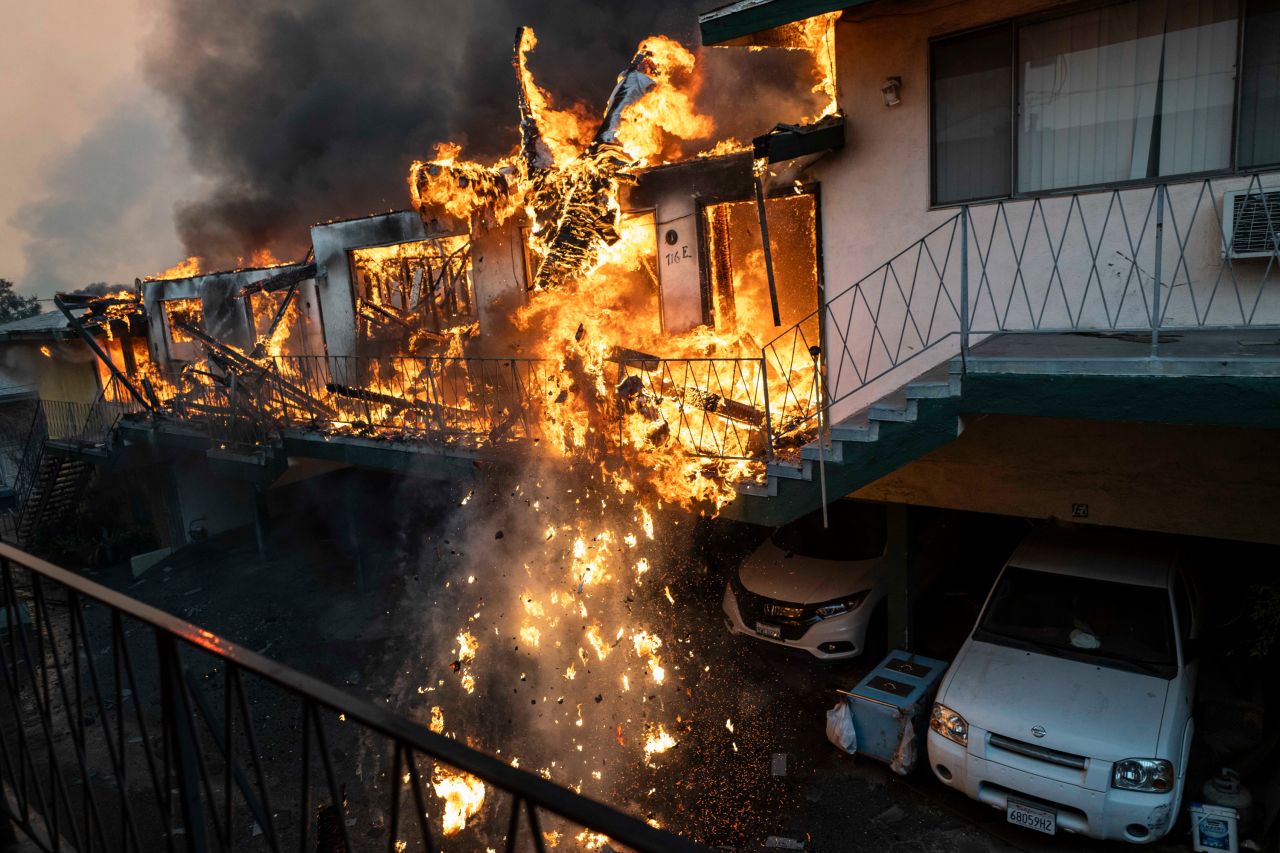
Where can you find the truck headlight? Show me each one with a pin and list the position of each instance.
(949, 724)
(1143, 774)
(835, 608)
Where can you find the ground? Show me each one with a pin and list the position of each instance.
(307, 606)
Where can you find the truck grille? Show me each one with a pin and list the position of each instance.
(1040, 753)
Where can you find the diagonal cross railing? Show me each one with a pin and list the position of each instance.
(1202, 254)
(125, 728)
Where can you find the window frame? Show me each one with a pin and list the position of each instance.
(811, 188)
(1016, 23)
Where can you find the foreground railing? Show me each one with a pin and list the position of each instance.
(1142, 261)
(125, 728)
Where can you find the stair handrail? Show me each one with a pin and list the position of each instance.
(32, 455)
(794, 408)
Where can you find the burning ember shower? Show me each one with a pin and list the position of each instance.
(564, 655)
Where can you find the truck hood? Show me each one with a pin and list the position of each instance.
(1094, 711)
(773, 573)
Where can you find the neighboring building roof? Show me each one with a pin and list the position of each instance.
(50, 325)
(747, 17)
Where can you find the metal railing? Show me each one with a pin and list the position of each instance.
(474, 401)
(713, 407)
(1140, 260)
(125, 728)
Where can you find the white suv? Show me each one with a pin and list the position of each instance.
(1069, 706)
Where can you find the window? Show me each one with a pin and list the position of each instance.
(972, 79)
(1259, 137)
(1183, 603)
(1136, 90)
(738, 283)
(188, 311)
(1098, 621)
(1115, 93)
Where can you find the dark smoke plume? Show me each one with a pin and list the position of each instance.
(299, 111)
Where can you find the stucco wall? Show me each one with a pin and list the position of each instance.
(332, 241)
(1058, 263)
(68, 373)
(226, 317)
(497, 272)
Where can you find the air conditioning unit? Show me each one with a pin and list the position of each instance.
(1251, 223)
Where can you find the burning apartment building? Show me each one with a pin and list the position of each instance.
(901, 291)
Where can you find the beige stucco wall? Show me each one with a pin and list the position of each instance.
(69, 372)
(876, 203)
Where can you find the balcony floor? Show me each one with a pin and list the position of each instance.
(1196, 352)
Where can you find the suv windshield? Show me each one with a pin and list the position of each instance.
(1102, 622)
(856, 532)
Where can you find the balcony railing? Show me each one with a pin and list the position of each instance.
(1141, 260)
(125, 728)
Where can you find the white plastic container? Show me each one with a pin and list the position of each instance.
(1214, 829)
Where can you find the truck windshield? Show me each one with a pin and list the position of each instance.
(856, 532)
(1103, 622)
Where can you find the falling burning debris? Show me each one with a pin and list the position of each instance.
(463, 795)
(656, 741)
(594, 674)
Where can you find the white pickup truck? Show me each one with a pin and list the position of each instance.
(1069, 706)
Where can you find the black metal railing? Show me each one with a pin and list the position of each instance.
(125, 728)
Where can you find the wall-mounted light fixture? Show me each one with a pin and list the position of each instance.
(892, 91)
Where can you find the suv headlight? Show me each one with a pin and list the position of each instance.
(949, 724)
(1143, 774)
(844, 605)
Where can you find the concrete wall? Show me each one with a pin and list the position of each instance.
(335, 285)
(876, 203)
(1204, 481)
(676, 194)
(497, 271)
(216, 503)
(226, 317)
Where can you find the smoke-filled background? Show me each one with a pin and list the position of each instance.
(243, 122)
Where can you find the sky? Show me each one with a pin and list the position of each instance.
(94, 161)
(136, 132)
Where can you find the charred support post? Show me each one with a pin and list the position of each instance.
(349, 502)
(768, 249)
(261, 522)
(902, 581)
(99, 352)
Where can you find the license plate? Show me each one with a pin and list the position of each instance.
(1032, 817)
(766, 630)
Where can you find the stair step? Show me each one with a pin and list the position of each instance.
(802, 470)
(767, 489)
(931, 390)
(833, 452)
(856, 430)
(894, 411)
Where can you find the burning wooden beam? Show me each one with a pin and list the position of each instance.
(235, 361)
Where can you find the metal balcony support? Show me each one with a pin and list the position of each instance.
(964, 287)
(1161, 189)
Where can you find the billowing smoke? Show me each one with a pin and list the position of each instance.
(298, 111)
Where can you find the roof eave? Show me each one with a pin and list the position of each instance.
(748, 17)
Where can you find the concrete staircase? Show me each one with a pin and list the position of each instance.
(917, 418)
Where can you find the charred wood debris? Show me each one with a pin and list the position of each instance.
(573, 218)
